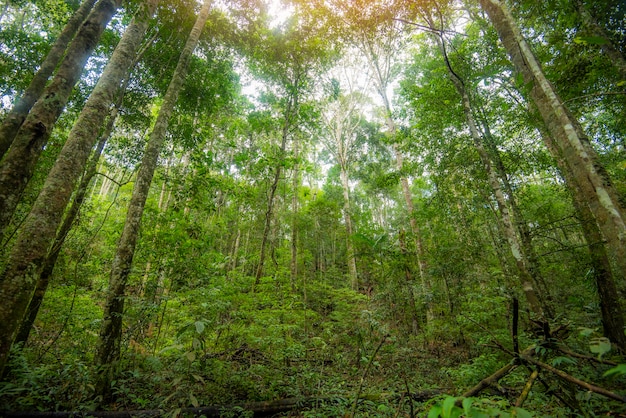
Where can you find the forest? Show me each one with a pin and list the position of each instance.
(313, 208)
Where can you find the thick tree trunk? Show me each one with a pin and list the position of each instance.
(48, 266)
(39, 229)
(14, 119)
(18, 165)
(610, 304)
(108, 350)
(572, 145)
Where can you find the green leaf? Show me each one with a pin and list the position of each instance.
(563, 360)
(616, 371)
(586, 332)
(621, 83)
(449, 410)
(590, 40)
(191, 356)
(193, 400)
(434, 412)
(199, 327)
(522, 413)
(467, 405)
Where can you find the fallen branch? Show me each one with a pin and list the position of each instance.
(488, 381)
(572, 379)
(584, 357)
(527, 388)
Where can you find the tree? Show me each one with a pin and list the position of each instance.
(39, 229)
(591, 179)
(18, 165)
(14, 119)
(108, 350)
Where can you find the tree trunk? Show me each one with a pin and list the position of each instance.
(526, 278)
(39, 229)
(294, 222)
(14, 119)
(572, 145)
(350, 253)
(610, 305)
(292, 108)
(18, 165)
(108, 349)
(68, 221)
(48, 265)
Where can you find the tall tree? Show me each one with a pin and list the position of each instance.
(13, 120)
(341, 121)
(18, 165)
(108, 350)
(39, 229)
(591, 179)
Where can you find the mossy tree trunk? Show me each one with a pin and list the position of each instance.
(38, 232)
(570, 143)
(18, 164)
(14, 119)
(108, 349)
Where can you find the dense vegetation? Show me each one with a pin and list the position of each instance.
(341, 208)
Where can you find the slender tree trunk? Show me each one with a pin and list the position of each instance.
(39, 229)
(526, 278)
(294, 222)
(18, 165)
(350, 253)
(569, 139)
(269, 213)
(108, 349)
(13, 120)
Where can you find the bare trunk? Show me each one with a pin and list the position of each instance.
(521, 261)
(108, 349)
(39, 229)
(14, 119)
(269, 213)
(294, 222)
(350, 253)
(610, 305)
(18, 165)
(593, 181)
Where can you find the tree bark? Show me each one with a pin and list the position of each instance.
(521, 260)
(593, 181)
(610, 305)
(350, 253)
(108, 349)
(14, 119)
(39, 229)
(18, 165)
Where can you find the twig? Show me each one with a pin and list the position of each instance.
(599, 94)
(367, 368)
